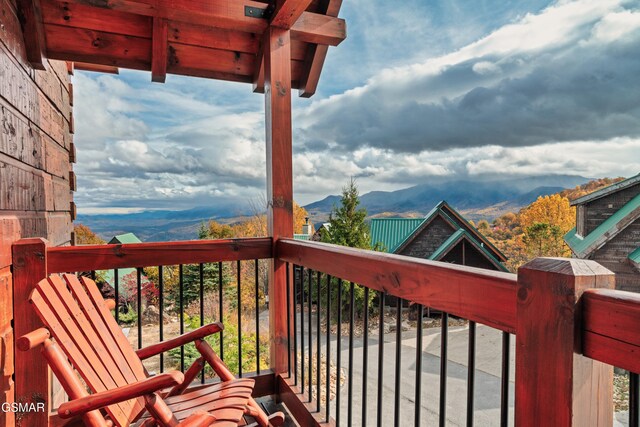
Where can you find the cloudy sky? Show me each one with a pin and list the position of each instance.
(418, 89)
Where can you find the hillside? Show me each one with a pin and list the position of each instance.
(476, 199)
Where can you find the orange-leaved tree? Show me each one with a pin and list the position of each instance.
(544, 223)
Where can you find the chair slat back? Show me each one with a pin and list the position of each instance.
(79, 320)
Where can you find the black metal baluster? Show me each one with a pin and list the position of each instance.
(471, 373)
(220, 317)
(161, 309)
(365, 355)
(117, 296)
(289, 320)
(310, 336)
(328, 358)
(295, 325)
(396, 408)
(380, 355)
(504, 392)
(418, 395)
(318, 333)
(352, 311)
(444, 347)
(239, 292)
(339, 353)
(93, 275)
(302, 330)
(139, 289)
(257, 291)
(634, 400)
(181, 296)
(201, 271)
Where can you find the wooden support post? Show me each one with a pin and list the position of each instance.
(160, 46)
(277, 64)
(32, 381)
(555, 385)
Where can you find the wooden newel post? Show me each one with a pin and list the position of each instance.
(277, 67)
(555, 385)
(32, 379)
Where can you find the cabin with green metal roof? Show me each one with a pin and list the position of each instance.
(443, 235)
(608, 230)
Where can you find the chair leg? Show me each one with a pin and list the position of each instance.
(160, 411)
(225, 375)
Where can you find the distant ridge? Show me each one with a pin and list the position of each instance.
(481, 198)
(477, 198)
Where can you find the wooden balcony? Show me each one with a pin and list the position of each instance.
(570, 329)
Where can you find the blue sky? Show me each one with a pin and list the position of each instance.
(418, 89)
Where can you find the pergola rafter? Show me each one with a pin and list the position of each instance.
(218, 39)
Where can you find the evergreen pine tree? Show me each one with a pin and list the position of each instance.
(347, 221)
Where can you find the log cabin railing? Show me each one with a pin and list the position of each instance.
(204, 260)
(566, 332)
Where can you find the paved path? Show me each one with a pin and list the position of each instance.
(487, 388)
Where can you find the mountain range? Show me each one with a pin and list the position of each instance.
(481, 198)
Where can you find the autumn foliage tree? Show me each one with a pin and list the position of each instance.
(86, 236)
(544, 224)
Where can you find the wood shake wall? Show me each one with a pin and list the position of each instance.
(35, 144)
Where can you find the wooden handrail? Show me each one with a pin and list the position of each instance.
(611, 327)
(483, 296)
(104, 257)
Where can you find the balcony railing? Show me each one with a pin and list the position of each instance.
(569, 329)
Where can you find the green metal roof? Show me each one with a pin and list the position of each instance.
(583, 246)
(450, 242)
(391, 232)
(125, 238)
(301, 237)
(635, 257)
(607, 190)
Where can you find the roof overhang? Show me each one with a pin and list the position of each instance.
(219, 39)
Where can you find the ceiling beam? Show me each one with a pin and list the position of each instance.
(83, 66)
(287, 12)
(228, 14)
(33, 32)
(159, 50)
(316, 54)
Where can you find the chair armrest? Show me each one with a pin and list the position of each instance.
(120, 394)
(201, 332)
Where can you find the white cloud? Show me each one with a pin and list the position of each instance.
(550, 92)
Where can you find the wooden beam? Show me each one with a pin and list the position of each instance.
(159, 48)
(277, 65)
(555, 385)
(287, 12)
(319, 29)
(611, 333)
(258, 73)
(484, 296)
(227, 14)
(33, 32)
(316, 54)
(83, 66)
(106, 257)
(97, 47)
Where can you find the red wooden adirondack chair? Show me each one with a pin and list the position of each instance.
(88, 339)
